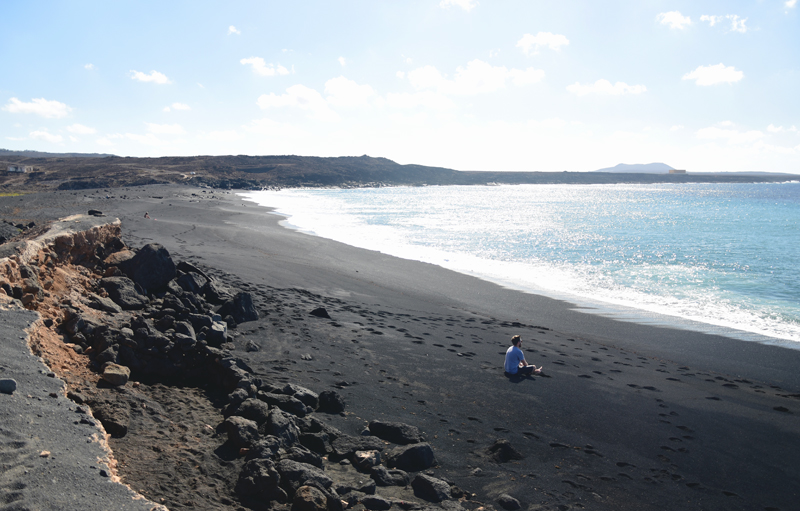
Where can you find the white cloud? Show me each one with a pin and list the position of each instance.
(39, 106)
(342, 92)
(677, 127)
(674, 19)
(528, 76)
(80, 129)
(47, 137)
(426, 99)
(88, 66)
(177, 106)
(165, 129)
(604, 87)
(302, 97)
(342, 61)
(712, 20)
(731, 136)
(530, 44)
(774, 129)
(737, 23)
(712, 75)
(400, 74)
(467, 5)
(476, 78)
(233, 30)
(261, 68)
(790, 4)
(154, 77)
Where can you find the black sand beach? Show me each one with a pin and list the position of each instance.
(627, 416)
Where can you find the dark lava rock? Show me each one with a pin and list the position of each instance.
(259, 480)
(216, 292)
(396, 432)
(124, 292)
(191, 282)
(508, 502)
(103, 304)
(376, 503)
(265, 447)
(411, 458)
(304, 395)
(8, 385)
(254, 410)
(318, 442)
(241, 432)
(295, 474)
(151, 267)
(301, 454)
(240, 308)
(430, 488)
(281, 425)
(94, 212)
(385, 477)
(309, 498)
(330, 402)
(320, 312)
(286, 403)
(502, 452)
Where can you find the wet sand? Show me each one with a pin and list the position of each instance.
(627, 416)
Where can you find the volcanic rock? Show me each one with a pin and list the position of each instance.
(430, 488)
(151, 267)
(396, 432)
(411, 458)
(309, 498)
(330, 402)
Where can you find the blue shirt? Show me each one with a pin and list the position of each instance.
(513, 357)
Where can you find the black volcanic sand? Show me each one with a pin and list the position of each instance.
(627, 416)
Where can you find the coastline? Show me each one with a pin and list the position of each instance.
(740, 306)
(626, 416)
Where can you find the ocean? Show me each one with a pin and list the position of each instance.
(718, 258)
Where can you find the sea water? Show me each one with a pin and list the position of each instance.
(721, 258)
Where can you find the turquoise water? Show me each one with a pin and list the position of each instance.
(716, 257)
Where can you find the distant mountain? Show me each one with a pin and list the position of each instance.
(638, 168)
(40, 154)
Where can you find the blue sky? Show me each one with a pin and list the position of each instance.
(466, 84)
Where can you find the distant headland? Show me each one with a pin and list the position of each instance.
(72, 171)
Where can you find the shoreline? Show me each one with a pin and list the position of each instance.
(615, 311)
(628, 416)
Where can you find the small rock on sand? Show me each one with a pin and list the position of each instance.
(116, 374)
(8, 385)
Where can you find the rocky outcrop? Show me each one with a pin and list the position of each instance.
(135, 314)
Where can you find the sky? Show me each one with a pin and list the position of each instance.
(505, 85)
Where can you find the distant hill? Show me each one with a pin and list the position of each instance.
(638, 168)
(40, 154)
(278, 171)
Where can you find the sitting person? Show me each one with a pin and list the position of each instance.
(515, 360)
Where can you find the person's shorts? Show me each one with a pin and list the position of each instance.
(522, 371)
